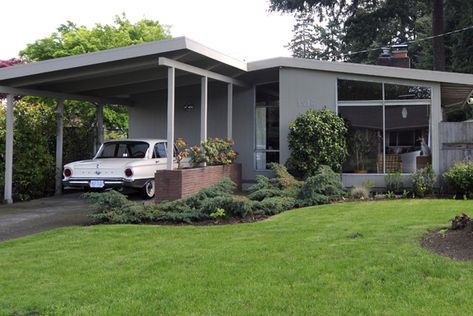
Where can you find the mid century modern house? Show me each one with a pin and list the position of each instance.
(180, 88)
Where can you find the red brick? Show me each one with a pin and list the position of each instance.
(178, 183)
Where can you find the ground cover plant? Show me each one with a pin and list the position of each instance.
(268, 196)
(354, 258)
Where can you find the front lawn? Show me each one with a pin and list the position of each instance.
(347, 258)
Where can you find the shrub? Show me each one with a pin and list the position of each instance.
(223, 188)
(316, 138)
(188, 216)
(233, 205)
(283, 184)
(214, 151)
(283, 178)
(322, 188)
(107, 200)
(394, 182)
(459, 178)
(274, 205)
(360, 193)
(461, 222)
(423, 181)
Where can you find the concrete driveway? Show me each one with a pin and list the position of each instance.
(26, 218)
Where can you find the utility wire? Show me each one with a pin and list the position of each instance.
(410, 42)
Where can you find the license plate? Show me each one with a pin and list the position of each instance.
(97, 184)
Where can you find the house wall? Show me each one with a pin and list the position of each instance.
(302, 89)
(148, 117)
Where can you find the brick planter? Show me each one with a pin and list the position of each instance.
(178, 183)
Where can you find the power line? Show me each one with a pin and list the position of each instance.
(411, 42)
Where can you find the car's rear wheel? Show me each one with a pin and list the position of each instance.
(149, 189)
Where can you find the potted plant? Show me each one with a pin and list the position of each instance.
(360, 146)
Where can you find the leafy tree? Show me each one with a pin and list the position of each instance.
(304, 40)
(35, 121)
(33, 149)
(316, 138)
(367, 25)
(71, 39)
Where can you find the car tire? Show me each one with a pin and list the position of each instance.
(149, 189)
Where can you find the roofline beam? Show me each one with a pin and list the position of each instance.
(94, 72)
(163, 61)
(65, 96)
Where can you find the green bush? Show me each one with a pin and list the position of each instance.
(223, 188)
(322, 188)
(274, 205)
(262, 194)
(459, 178)
(360, 193)
(316, 138)
(214, 151)
(394, 182)
(282, 178)
(423, 181)
(188, 216)
(234, 206)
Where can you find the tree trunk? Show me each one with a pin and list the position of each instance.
(438, 43)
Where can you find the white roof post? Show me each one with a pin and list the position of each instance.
(203, 109)
(9, 150)
(170, 123)
(99, 117)
(229, 110)
(59, 144)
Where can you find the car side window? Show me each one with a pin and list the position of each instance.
(159, 150)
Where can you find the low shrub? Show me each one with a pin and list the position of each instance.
(283, 178)
(423, 181)
(274, 205)
(322, 188)
(233, 206)
(461, 222)
(188, 216)
(459, 178)
(394, 182)
(360, 193)
(262, 194)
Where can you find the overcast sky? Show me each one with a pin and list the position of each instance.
(243, 29)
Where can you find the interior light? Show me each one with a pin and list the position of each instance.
(404, 112)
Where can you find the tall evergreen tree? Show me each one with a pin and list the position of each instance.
(304, 39)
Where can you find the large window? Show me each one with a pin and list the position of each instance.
(267, 125)
(387, 124)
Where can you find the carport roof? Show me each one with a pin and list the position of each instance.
(119, 73)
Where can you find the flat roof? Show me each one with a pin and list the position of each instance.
(49, 74)
(363, 69)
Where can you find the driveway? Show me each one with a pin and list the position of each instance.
(26, 218)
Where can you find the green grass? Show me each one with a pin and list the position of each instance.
(351, 258)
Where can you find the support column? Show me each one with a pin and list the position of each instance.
(59, 144)
(203, 109)
(170, 123)
(229, 110)
(9, 151)
(99, 116)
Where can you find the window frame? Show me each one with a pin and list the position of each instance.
(255, 150)
(384, 103)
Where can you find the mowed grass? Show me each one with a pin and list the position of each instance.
(340, 259)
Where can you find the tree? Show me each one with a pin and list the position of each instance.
(316, 138)
(71, 39)
(35, 131)
(367, 25)
(304, 39)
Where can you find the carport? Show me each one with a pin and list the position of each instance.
(114, 77)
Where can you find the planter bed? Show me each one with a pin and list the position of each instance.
(178, 183)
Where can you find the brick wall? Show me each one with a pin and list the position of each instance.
(178, 183)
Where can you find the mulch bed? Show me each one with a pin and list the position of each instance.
(455, 244)
(211, 222)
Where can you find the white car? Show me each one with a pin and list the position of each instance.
(121, 164)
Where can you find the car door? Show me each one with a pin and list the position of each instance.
(159, 156)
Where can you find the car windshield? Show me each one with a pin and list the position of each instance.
(125, 149)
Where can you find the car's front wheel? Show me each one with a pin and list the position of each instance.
(149, 189)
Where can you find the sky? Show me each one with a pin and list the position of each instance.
(243, 29)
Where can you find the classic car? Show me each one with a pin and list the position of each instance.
(121, 164)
